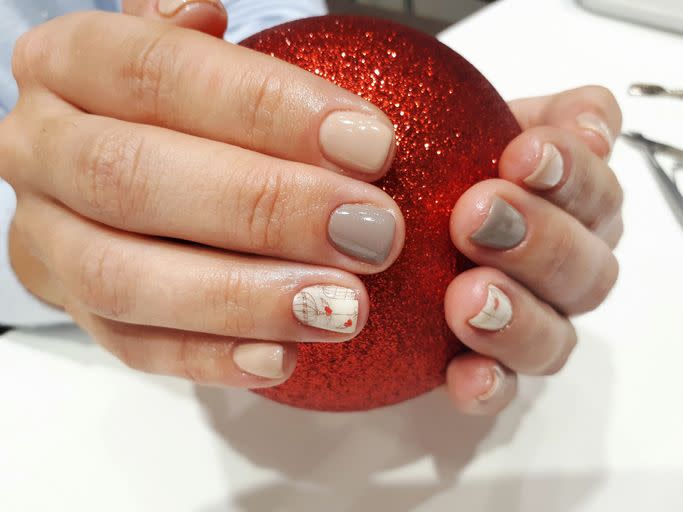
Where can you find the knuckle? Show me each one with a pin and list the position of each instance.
(109, 177)
(560, 251)
(266, 212)
(102, 281)
(599, 288)
(231, 299)
(191, 359)
(32, 51)
(151, 76)
(8, 148)
(264, 99)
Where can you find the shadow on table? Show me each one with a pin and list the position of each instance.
(338, 461)
(401, 458)
(413, 455)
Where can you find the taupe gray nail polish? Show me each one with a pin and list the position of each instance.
(504, 227)
(363, 232)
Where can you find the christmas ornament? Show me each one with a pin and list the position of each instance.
(451, 128)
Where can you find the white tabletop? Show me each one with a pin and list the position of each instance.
(79, 432)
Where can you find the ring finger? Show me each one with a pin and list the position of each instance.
(160, 283)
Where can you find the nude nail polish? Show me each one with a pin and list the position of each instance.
(549, 171)
(503, 228)
(496, 384)
(261, 359)
(172, 7)
(357, 141)
(496, 313)
(362, 231)
(328, 307)
(591, 122)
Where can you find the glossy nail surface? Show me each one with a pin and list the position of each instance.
(327, 307)
(172, 7)
(549, 171)
(495, 385)
(363, 232)
(503, 228)
(496, 313)
(593, 123)
(358, 141)
(260, 359)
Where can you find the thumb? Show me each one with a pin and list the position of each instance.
(208, 16)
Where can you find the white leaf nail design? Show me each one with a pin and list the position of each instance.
(329, 307)
(496, 313)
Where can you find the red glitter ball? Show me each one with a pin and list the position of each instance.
(451, 127)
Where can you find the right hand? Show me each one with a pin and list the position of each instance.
(176, 193)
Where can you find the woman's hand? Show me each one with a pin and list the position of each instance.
(543, 235)
(188, 201)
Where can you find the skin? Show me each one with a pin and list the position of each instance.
(102, 147)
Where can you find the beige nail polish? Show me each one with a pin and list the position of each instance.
(593, 123)
(549, 171)
(328, 307)
(260, 359)
(171, 7)
(496, 313)
(496, 384)
(358, 141)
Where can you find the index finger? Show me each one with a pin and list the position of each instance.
(149, 72)
(591, 112)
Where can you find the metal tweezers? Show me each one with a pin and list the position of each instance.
(667, 182)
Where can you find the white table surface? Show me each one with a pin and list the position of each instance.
(79, 432)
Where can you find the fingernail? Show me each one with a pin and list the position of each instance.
(593, 123)
(549, 171)
(172, 7)
(363, 232)
(503, 228)
(260, 359)
(495, 384)
(359, 141)
(496, 313)
(329, 307)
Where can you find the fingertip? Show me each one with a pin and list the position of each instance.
(479, 386)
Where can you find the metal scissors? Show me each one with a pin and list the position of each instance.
(666, 181)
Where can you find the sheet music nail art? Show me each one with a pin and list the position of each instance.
(329, 307)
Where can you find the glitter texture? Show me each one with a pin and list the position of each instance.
(451, 127)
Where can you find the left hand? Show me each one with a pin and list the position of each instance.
(543, 235)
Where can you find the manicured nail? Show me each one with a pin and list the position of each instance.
(495, 384)
(363, 232)
(260, 359)
(503, 228)
(172, 7)
(549, 171)
(593, 123)
(496, 313)
(329, 307)
(359, 141)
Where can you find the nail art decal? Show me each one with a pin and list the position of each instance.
(328, 307)
(496, 313)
